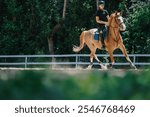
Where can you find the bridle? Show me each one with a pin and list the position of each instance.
(116, 27)
(116, 22)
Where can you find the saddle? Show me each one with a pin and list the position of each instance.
(96, 35)
(101, 33)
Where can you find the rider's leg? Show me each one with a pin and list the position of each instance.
(101, 40)
(104, 36)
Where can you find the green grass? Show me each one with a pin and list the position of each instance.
(87, 85)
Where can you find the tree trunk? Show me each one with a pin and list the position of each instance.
(64, 9)
(55, 29)
(97, 4)
(51, 38)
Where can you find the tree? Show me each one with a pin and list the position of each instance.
(137, 35)
(48, 27)
(56, 28)
(64, 9)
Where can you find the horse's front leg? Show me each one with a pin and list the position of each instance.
(112, 60)
(127, 57)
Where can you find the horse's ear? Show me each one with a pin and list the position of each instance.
(121, 13)
(118, 11)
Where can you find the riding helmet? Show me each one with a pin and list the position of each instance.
(101, 2)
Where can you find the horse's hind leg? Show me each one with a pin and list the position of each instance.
(127, 57)
(93, 55)
(100, 63)
(91, 61)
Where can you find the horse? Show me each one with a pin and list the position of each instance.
(112, 42)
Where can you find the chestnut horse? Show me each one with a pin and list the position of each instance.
(113, 41)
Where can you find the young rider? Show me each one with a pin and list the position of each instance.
(102, 18)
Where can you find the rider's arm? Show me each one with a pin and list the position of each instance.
(108, 17)
(99, 21)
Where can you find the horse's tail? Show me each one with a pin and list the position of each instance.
(82, 41)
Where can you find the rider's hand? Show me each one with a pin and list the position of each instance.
(106, 23)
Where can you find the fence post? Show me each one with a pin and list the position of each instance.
(134, 58)
(76, 61)
(26, 61)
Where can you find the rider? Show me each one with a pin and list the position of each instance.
(102, 18)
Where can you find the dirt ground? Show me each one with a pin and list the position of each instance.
(4, 72)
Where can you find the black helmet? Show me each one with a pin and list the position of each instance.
(101, 2)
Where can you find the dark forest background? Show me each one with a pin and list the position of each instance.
(53, 26)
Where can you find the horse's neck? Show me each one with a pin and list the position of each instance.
(114, 32)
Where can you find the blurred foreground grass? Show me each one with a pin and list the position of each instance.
(95, 85)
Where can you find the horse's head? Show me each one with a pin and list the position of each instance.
(116, 21)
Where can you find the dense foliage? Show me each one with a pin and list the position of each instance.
(26, 25)
(87, 85)
(138, 28)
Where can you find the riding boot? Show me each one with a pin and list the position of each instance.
(103, 44)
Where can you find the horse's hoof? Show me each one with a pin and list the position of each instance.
(89, 67)
(104, 67)
(133, 66)
(110, 66)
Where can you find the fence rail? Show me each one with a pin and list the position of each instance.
(76, 60)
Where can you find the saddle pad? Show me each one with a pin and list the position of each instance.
(96, 36)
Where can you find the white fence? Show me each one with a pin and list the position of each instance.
(70, 59)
